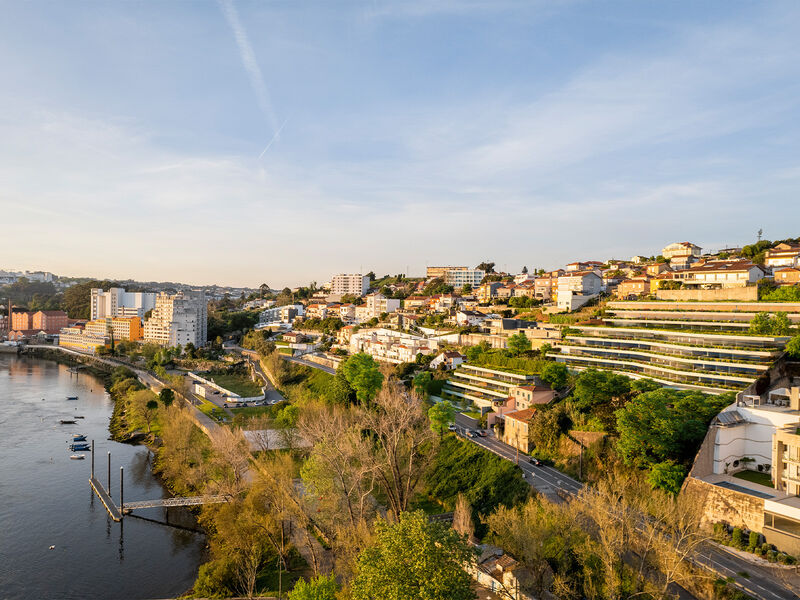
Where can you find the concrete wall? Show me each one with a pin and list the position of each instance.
(746, 294)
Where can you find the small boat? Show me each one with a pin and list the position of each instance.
(67, 422)
(77, 457)
(80, 447)
(72, 397)
(78, 437)
(79, 417)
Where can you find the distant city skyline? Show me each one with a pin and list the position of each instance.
(246, 142)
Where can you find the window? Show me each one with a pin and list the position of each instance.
(782, 524)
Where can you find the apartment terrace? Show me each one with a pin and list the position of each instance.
(482, 386)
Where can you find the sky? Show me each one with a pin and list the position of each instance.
(246, 142)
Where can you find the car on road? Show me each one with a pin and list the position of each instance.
(535, 461)
(482, 433)
(472, 434)
(451, 427)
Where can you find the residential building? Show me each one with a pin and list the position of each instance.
(377, 304)
(488, 291)
(388, 345)
(681, 249)
(715, 274)
(469, 318)
(501, 574)
(121, 328)
(515, 429)
(656, 268)
(682, 262)
(526, 396)
(787, 276)
(317, 311)
(688, 345)
(280, 314)
(636, 286)
(783, 255)
(414, 302)
(178, 320)
(581, 282)
(523, 277)
(49, 321)
(458, 278)
(448, 360)
(483, 386)
(76, 338)
(506, 291)
(440, 272)
(354, 284)
(584, 266)
(116, 302)
(544, 287)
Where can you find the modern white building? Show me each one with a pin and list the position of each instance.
(344, 284)
(116, 302)
(458, 278)
(681, 249)
(391, 346)
(280, 314)
(376, 304)
(178, 320)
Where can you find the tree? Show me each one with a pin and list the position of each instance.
(264, 289)
(486, 266)
(401, 446)
(518, 343)
(462, 518)
(793, 347)
(319, 588)
(414, 560)
(441, 415)
(422, 382)
(363, 375)
(525, 270)
(554, 374)
(167, 396)
(149, 412)
(667, 476)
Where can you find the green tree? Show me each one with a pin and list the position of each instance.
(287, 417)
(414, 560)
(667, 476)
(167, 397)
(793, 347)
(781, 325)
(595, 388)
(363, 375)
(441, 415)
(518, 343)
(422, 382)
(554, 374)
(319, 588)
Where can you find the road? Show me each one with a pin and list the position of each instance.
(763, 582)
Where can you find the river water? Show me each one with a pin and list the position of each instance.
(45, 498)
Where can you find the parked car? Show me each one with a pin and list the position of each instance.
(472, 434)
(482, 433)
(451, 427)
(225, 405)
(535, 461)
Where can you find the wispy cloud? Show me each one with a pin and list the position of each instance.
(250, 63)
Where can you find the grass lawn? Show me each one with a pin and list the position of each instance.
(238, 384)
(206, 407)
(306, 382)
(755, 477)
(286, 351)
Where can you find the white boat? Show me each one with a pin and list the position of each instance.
(77, 456)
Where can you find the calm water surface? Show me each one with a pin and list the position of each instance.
(45, 498)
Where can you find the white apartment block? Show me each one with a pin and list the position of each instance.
(355, 284)
(581, 282)
(178, 320)
(281, 314)
(377, 304)
(116, 302)
(681, 249)
(458, 278)
(391, 346)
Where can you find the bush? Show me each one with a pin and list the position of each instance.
(737, 538)
(754, 538)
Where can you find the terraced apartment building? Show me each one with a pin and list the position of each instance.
(483, 386)
(689, 345)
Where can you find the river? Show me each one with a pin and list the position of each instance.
(45, 498)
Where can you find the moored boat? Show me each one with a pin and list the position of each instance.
(77, 457)
(78, 437)
(67, 422)
(79, 447)
(72, 397)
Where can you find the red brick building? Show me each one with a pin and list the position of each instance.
(50, 321)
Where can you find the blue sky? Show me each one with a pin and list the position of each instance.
(241, 142)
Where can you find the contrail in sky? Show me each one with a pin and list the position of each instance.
(274, 137)
(249, 61)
